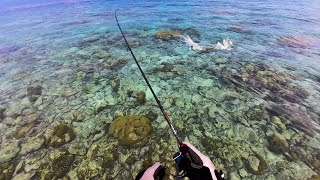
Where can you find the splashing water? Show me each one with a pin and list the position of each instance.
(226, 44)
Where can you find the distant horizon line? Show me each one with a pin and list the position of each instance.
(38, 4)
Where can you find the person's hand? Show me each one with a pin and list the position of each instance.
(155, 172)
(196, 165)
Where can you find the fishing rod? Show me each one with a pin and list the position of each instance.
(181, 144)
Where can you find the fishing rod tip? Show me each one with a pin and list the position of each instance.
(115, 12)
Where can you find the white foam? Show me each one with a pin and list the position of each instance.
(226, 44)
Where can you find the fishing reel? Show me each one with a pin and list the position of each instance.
(192, 168)
(178, 159)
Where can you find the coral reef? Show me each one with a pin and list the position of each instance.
(103, 149)
(130, 130)
(60, 165)
(89, 170)
(61, 135)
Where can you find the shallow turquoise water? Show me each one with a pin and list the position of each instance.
(254, 110)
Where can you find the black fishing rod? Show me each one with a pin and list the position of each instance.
(154, 95)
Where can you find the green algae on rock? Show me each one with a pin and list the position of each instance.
(278, 122)
(2, 110)
(33, 92)
(104, 149)
(130, 130)
(9, 150)
(168, 34)
(278, 144)
(140, 98)
(22, 131)
(21, 74)
(90, 170)
(102, 154)
(6, 171)
(60, 165)
(61, 135)
(151, 115)
(314, 177)
(256, 165)
(115, 83)
(256, 113)
(114, 63)
(31, 145)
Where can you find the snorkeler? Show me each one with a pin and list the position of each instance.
(199, 168)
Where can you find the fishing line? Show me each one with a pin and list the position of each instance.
(165, 115)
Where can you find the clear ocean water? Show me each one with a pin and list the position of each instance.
(73, 104)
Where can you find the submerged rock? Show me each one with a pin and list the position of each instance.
(299, 119)
(60, 165)
(134, 43)
(22, 131)
(2, 110)
(314, 177)
(168, 34)
(212, 111)
(130, 130)
(196, 98)
(193, 33)
(34, 90)
(23, 175)
(78, 148)
(61, 135)
(221, 60)
(114, 63)
(13, 110)
(20, 75)
(278, 144)
(277, 121)
(6, 171)
(152, 115)
(256, 113)
(297, 41)
(89, 40)
(256, 164)
(101, 54)
(243, 173)
(115, 83)
(140, 98)
(8, 151)
(89, 170)
(31, 145)
(104, 149)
